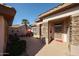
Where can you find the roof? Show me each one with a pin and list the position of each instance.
(8, 12)
(34, 24)
(59, 8)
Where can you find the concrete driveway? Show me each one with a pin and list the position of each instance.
(33, 46)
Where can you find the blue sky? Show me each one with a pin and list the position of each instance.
(30, 11)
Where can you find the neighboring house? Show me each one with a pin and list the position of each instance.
(60, 24)
(6, 18)
(19, 29)
(13, 29)
(22, 30)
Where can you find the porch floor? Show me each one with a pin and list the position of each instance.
(54, 49)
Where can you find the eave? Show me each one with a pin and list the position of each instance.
(8, 13)
(56, 10)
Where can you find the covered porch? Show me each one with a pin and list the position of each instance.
(59, 29)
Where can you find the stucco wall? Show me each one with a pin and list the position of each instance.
(2, 35)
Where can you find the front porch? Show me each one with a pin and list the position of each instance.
(59, 30)
(57, 35)
(54, 49)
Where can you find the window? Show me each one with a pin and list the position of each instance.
(58, 27)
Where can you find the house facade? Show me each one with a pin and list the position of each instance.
(60, 24)
(6, 18)
(18, 29)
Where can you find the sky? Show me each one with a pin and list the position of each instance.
(30, 11)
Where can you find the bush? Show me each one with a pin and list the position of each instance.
(15, 46)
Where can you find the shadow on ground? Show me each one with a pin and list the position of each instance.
(33, 46)
(23, 46)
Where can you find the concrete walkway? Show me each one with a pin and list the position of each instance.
(35, 47)
(54, 49)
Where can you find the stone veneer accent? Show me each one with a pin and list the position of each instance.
(44, 31)
(36, 31)
(75, 30)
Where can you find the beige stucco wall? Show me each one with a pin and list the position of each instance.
(2, 34)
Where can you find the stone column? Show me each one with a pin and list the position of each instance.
(38, 31)
(44, 31)
(75, 30)
(74, 35)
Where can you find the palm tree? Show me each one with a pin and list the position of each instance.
(25, 22)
